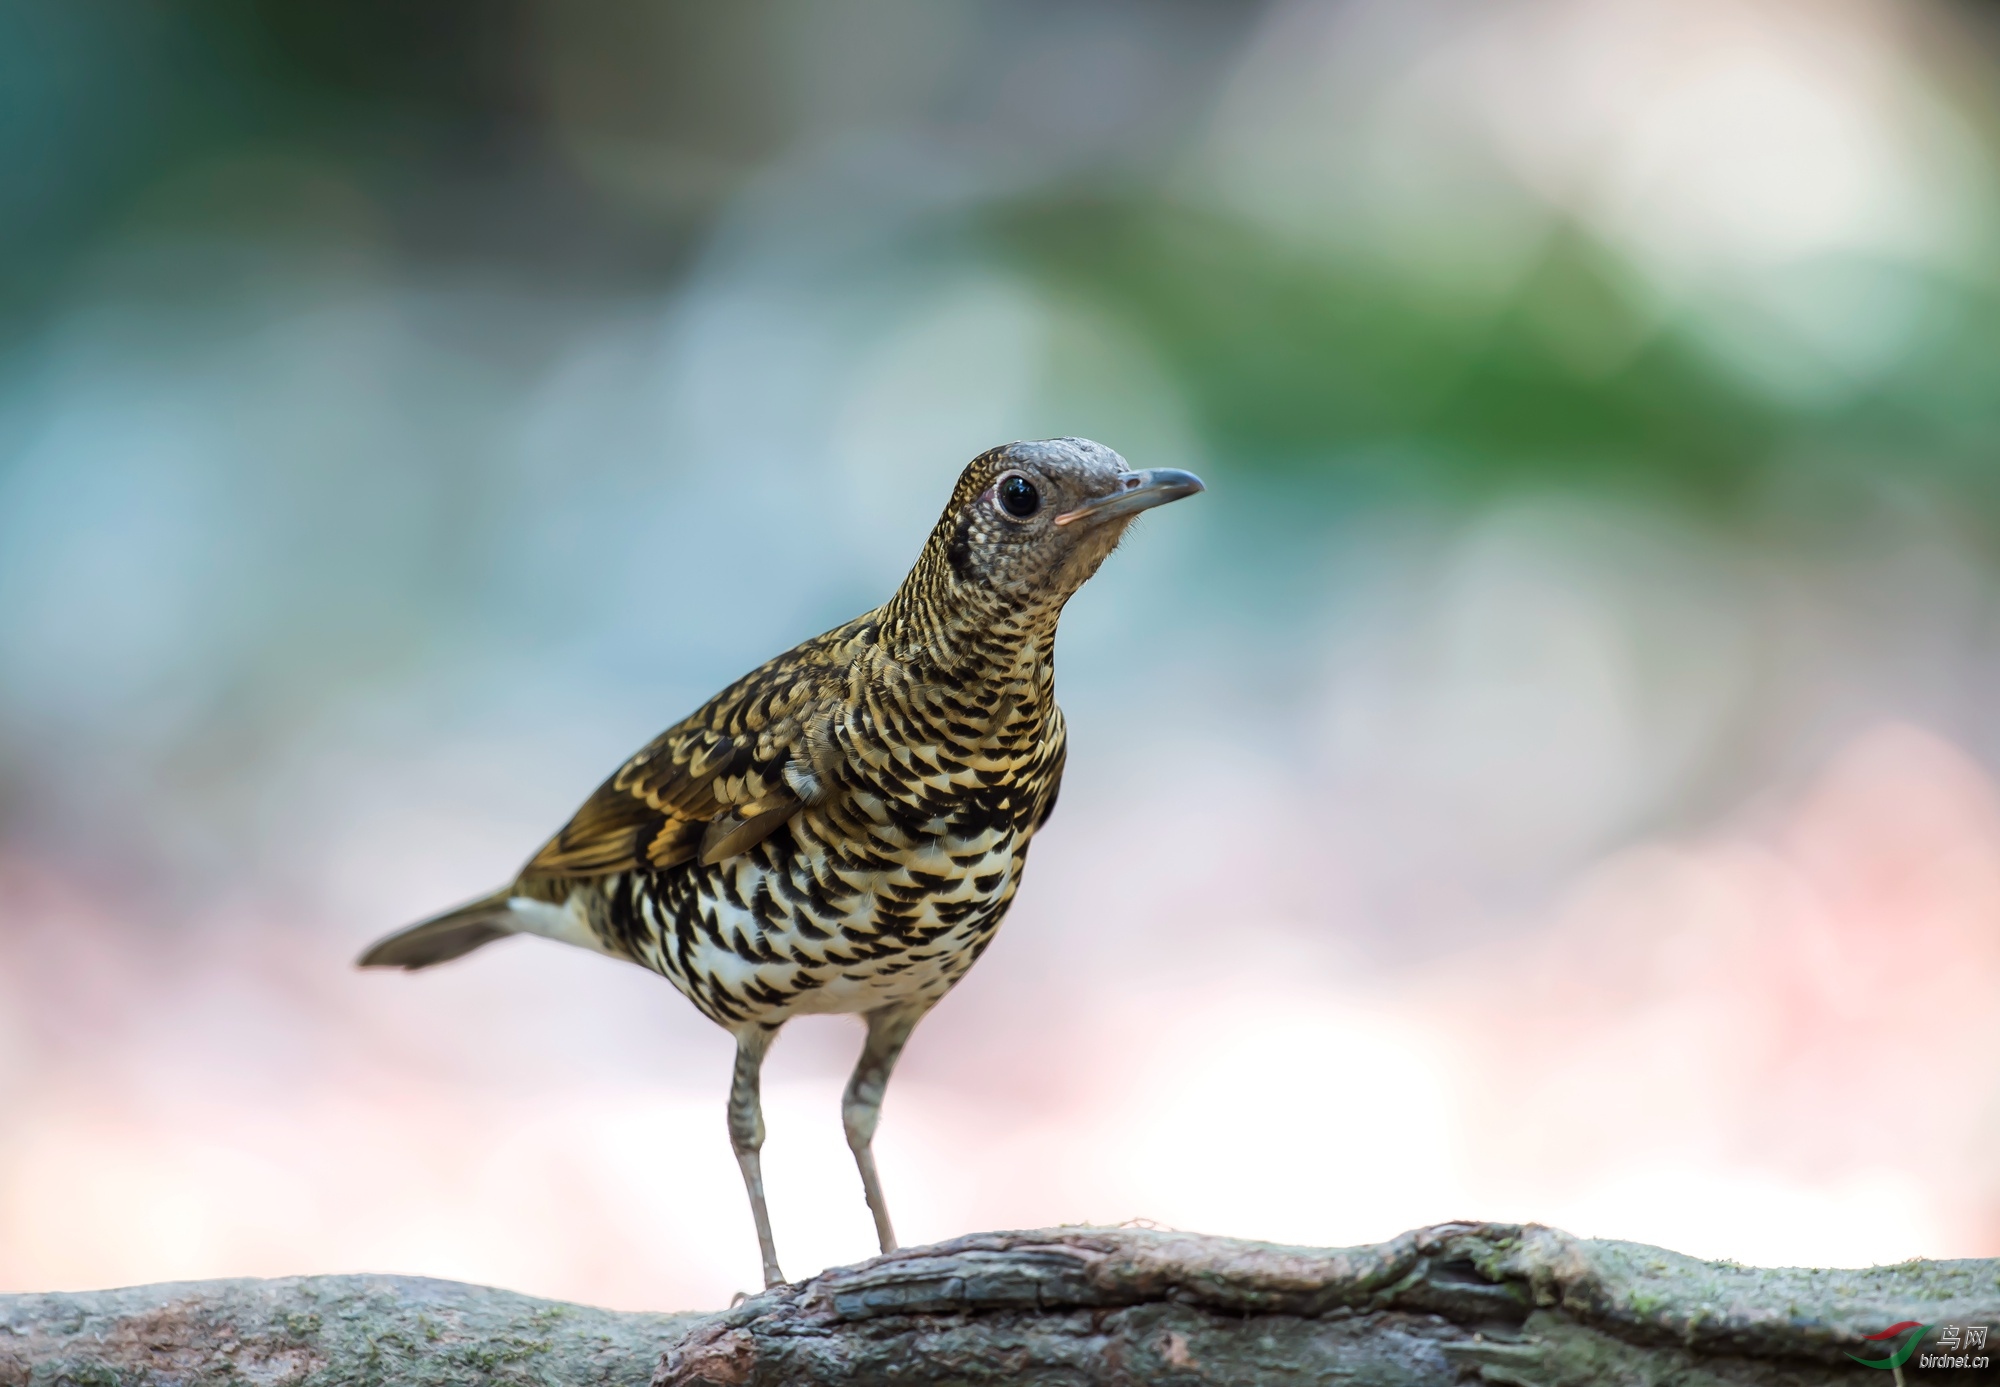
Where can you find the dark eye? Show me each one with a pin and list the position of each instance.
(1018, 497)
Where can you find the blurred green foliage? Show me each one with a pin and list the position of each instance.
(450, 119)
(1298, 360)
(1315, 362)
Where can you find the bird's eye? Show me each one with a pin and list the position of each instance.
(1018, 497)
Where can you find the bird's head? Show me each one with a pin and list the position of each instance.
(1028, 523)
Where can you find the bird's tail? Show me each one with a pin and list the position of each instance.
(444, 937)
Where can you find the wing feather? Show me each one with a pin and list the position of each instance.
(714, 785)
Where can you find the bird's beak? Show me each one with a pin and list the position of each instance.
(1136, 491)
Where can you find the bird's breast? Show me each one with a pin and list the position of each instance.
(882, 894)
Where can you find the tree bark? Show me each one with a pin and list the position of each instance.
(1459, 1303)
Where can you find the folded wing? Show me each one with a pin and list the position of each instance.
(710, 787)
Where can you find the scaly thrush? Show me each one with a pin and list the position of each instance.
(842, 829)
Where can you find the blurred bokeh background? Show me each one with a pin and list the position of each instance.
(1551, 775)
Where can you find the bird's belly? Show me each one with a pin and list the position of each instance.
(769, 935)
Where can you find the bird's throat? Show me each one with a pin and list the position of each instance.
(966, 634)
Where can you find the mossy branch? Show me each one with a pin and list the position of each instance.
(1459, 1303)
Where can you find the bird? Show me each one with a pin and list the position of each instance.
(842, 829)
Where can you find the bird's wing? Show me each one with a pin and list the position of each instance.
(712, 786)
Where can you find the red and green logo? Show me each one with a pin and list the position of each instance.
(1901, 1356)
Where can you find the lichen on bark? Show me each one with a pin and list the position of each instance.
(1460, 1303)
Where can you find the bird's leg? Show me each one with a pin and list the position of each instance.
(861, 1108)
(746, 1134)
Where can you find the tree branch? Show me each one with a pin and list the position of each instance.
(1460, 1303)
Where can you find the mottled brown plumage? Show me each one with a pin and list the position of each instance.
(842, 829)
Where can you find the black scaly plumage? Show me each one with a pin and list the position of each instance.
(842, 829)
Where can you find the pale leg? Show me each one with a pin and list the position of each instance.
(746, 1134)
(862, 1106)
